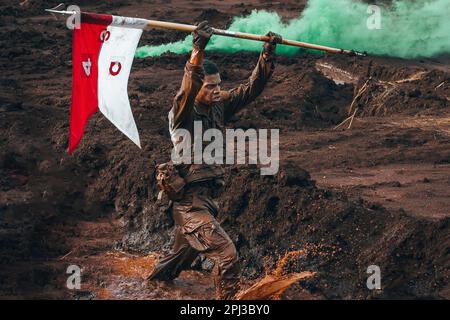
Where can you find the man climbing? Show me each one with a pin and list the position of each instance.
(201, 99)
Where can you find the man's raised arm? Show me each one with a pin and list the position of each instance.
(237, 98)
(183, 103)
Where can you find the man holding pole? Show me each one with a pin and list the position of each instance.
(103, 51)
(201, 99)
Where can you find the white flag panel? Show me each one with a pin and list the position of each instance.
(114, 65)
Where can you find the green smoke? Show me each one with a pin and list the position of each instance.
(409, 29)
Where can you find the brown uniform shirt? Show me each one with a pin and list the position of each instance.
(197, 207)
(186, 110)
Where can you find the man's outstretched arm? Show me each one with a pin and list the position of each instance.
(183, 103)
(237, 98)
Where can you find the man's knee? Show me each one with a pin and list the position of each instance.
(214, 243)
(230, 253)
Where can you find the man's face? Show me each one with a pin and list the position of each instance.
(210, 92)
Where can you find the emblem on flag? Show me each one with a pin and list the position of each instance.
(104, 36)
(87, 65)
(114, 68)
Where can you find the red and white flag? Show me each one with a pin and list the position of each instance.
(103, 52)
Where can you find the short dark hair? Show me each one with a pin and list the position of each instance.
(210, 67)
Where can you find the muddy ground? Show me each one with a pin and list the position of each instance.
(374, 193)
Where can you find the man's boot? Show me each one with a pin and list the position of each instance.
(227, 282)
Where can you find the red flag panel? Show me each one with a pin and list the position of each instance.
(87, 42)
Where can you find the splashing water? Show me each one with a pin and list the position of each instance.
(408, 29)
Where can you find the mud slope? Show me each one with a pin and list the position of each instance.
(267, 217)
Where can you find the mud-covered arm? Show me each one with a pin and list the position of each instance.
(183, 104)
(237, 98)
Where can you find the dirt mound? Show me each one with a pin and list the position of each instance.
(400, 87)
(418, 93)
(268, 216)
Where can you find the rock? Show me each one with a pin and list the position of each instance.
(292, 174)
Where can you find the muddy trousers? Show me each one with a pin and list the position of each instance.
(213, 242)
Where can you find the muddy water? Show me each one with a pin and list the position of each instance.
(112, 274)
(119, 275)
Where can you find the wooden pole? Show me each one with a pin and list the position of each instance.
(154, 24)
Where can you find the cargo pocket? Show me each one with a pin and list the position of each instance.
(207, 237)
